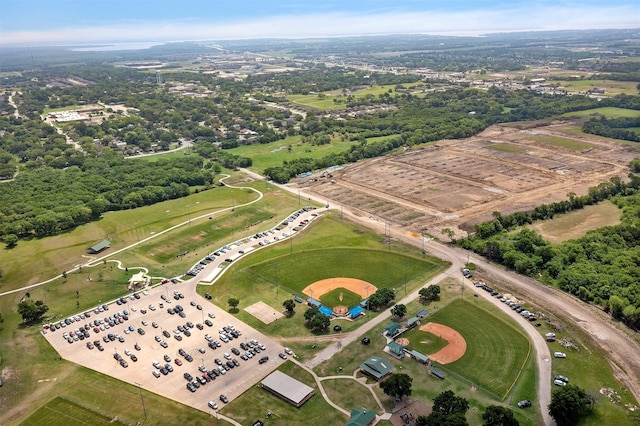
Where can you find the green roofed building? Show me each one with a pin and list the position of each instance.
(361, 417)
(98, 247)
(396, 349)
(392, 329)
(376, 367)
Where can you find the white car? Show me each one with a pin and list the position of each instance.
(212, 405)
(558, 382)
(559, 355)
(288, 351)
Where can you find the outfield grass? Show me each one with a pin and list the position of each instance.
(256, 402)
(496, 350)
(577, 223)
(342, 249)
(332, 299)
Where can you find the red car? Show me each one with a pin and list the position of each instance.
(178, 362)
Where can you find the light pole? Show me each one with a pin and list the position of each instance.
(144, 409)
(422, 236)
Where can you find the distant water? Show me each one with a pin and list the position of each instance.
(117, 46)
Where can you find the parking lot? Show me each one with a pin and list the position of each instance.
(141, 325)
(172, 385)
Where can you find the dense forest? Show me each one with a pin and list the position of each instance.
(625, 128)
(53, 201)
(602, 267)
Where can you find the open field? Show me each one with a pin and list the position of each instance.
(325, 101)
(255, 403)
(611, 87)
(459, 183)
(577, 223)
(60, 412)
(609, 112)
(350, 394)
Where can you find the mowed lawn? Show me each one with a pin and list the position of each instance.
(256, 402)
(496, 350)
(60, 412)
(378, 267)
(609, 112)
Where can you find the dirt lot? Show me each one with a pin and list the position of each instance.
(458, 183)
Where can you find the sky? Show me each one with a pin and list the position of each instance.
(47, 22)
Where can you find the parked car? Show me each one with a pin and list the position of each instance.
(524, 403)
(559, 355)
(224, 399)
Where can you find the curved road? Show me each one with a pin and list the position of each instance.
(618, 343)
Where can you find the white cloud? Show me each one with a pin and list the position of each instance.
(343, 24)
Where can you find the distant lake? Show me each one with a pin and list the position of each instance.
(117, 46)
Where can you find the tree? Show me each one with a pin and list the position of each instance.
(397, 385)
(399, 310)
(320, 322)
(430, 293)
(568, 404)
(31, 311)
(496, 415)
(310, 313)
(289, 305)
(11, 240)
(233, 304)
(448, 403)
(439, 419)
(381, 297)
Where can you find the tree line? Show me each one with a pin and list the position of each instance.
(616, 128)
(601, 267)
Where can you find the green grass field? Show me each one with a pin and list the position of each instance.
(423, 341)
(332, 299)
(505, 147)
(496, 349)
(609, 112)
(61, 412)
(254, 404)
(350, 394)
(577, 223)
(571, 144)
(611, 87)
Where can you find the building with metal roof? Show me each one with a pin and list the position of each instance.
(376, 367)
(361, 417)
(286, 387)
(98, 247)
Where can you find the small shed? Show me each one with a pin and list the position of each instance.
(98, 247)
